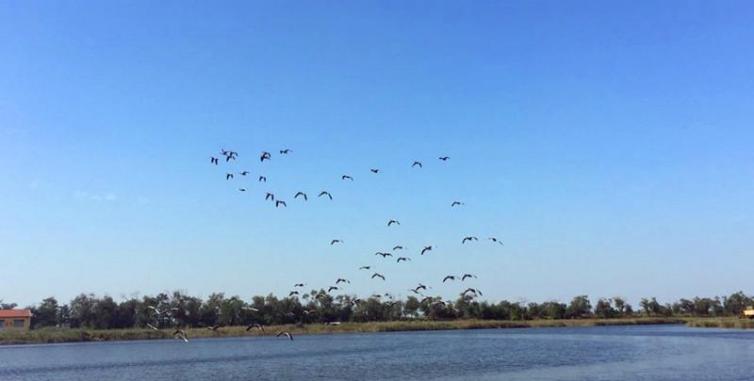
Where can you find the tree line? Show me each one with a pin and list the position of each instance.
(179, 309)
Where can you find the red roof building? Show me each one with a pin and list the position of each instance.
(15, 319)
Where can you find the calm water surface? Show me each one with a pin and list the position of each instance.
(598, 353)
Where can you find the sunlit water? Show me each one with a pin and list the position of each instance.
(598, 353)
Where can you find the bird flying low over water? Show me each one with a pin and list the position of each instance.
(180, 334)
(384, 255)
(463, 278)
(404, 259)
(254, 325)
(419, 163)
(448, 277)
(346, 177)
(444, 158)
(365, 267)
(471, 238)
(342, 280)
(285, 151)
(378, 275)
(335, 241)
(456, 203)
(269, 196)
(391, 222)
(228, 176)
(374, 170)
(214, 160)
(265, 156)
(262, 179)
(426, 249)
(302, 194)
(280, 202)
(325, 193)
(493, 239)
(286, 334)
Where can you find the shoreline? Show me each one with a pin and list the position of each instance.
(70, 335)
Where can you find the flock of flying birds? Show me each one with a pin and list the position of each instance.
(228, 156)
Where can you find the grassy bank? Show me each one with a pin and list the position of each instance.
(727, 322)
(60, 335)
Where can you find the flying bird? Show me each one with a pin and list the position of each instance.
(463, 278)
(374, 170)
(254, 325)
(419, 163)
(397, 247)
(421, 287)
(306, 198)
(444, 158)
(493, 239)
(280, 202)
(365, 267)
(299, 285)
(242, 189)
(292, 293)
(448, 277)
(228, 176)
(378, 275)
(152, 327)
(213, 160)
(244, 173)
(426, 249)
(332, 288)
(262, 179)
(325, 193)
(265, 156)
(384, 255)
(285, 151)
(456, 203)
(391, 222)
(213, 328)
(342, 280)
(269, 196)
(471, 290)
(335, 241)
(402, 259)
(471, 238)
(286, 334)
(180, 334)
(346, 177)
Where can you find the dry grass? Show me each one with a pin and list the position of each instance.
(60, 335)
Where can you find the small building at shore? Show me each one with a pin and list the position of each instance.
(15, 319)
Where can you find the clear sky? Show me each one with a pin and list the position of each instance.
(610, 145)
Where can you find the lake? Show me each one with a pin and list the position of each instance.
(595, 353)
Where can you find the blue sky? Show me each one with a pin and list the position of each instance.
(608, 145)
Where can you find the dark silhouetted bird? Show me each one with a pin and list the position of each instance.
(280, 202)
(302, 194)
(242, 189)
(265, 156)
(286, 334)
(397, 247)
(463, 278)
(404, 259)
(325, 193)
(378, 275)
(244, 173)
(228, 176)
(444, 158)
(374, 170)
(335, 241)
(365, 267)
(299, 285)
(419, 163)
(472, 290)
(346, 177)
(426, 249)
(493, 239)
(391, 222)
(285, 151)
(292, 293)
(269, 196)
(448, 277)
(332, 288)
(384, 255)
(342, 280)
(213, 160)
(421, 287)
(456, 203)
(469, 239)
(262, 179)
